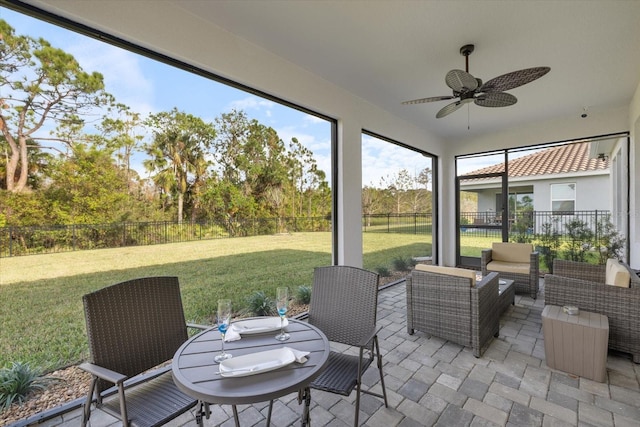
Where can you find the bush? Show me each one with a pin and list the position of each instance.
(303, 294)
(383, 271)
(401, 264)
(17, 381)
(610, 243)
(260, 304)
(549, 242)
(580, 241)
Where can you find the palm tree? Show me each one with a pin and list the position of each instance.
(178, 153)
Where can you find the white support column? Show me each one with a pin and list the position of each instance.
(447, 241)
(349, 216)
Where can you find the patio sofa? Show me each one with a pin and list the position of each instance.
(448, 303)
(513, 261)
(612, 290)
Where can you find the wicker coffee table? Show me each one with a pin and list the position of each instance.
(507, 294)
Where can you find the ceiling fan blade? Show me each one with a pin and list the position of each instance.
(450, 108)
(460, 81)
(495, 99)
(425, 100)
(513, 79)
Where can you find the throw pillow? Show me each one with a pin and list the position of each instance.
(451, 271)
(616, 274)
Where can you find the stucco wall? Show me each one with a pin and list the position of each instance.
(592, 192)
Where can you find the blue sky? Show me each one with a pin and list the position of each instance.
(148, 86)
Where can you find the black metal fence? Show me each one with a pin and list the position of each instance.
(529, 224)
(412, 223)
(16, 241)
(523, 226)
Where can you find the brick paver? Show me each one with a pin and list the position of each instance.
(434, 382)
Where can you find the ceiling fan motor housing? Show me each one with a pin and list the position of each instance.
(467, 49)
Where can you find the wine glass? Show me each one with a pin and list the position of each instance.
(282, 298)
(224, 319)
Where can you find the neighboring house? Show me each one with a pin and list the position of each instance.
(559, 180)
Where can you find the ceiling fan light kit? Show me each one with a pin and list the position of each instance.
(467, 88)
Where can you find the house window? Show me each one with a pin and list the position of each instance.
(563, 198)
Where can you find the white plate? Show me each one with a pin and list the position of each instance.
(258, 326)
(255, 363)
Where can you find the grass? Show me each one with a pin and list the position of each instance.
(41, 295)
(472, 246)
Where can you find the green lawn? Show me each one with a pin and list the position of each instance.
(472, 246)
(40, 295)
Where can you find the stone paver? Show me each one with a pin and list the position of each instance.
(432, 382)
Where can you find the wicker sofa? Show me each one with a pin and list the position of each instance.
(447, 303)
(513, 261)
(583, 285)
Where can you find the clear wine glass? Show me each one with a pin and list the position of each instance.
(282, 298)
(224, 320)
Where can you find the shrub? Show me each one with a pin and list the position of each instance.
(549, 242)
(383, 271)
(610, 242)
(303, 294)
(580, 241)
(17, 381)
(401, 264)
(260, 304)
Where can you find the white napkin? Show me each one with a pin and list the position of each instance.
(231, 335)
(301, 356)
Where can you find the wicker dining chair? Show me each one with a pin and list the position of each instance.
(132, 327)
(344, 302)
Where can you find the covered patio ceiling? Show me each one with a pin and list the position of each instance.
(386, 52)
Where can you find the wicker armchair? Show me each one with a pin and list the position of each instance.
(133, 327)
(344, 305)
(447, 303)
(513, 261)
(583, 285)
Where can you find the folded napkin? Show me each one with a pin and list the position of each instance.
(301, 356)
(231, 335)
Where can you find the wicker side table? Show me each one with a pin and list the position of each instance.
(576, 344)
(507, 294)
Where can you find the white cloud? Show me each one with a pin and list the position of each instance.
(321, 148)
(308, 118)
(122, 71)
(381, 159)
(251, 103)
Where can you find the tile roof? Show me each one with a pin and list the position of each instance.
(562, 159)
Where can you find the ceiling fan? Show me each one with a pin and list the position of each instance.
(471, 89)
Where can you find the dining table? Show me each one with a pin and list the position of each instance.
(261, 367)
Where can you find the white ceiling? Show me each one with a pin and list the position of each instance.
(387, 52)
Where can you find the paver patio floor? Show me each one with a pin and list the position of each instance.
(431, 382)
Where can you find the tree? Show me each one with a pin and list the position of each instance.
(421, 200)
(37, 161)
(253, 164)
(42, 88)
(178, 153)
(86, 188)
(123, 134)
(398, 186)
(305, 177)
